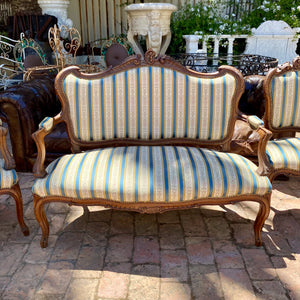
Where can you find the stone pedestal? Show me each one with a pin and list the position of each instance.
(57, 8)
(151, 20)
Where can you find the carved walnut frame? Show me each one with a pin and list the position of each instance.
(14, 191)
(279, 71)
(77, 145)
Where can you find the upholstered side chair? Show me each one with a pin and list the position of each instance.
(282, 115)
(9, 179)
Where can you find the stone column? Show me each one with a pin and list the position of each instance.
(216, 50)
(57, 8)
(230, 50)
(192, 42)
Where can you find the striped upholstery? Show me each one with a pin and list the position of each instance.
(151, 174)
(284, 153)
(8, 178)
(285, 97)
(150, 103)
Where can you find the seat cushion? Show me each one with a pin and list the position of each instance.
(284, 153)
(8, 178)
(151, 174)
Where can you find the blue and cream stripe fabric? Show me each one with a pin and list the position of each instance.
(8, 178)
(47, 123)
(284, 153)
(285, 96)
(151, 174)
(255, 121)
(150, 103)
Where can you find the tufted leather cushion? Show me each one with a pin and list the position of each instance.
(151, 174)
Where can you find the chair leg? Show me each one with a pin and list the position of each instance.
(262, 215)
(42, 220)
(15, 192)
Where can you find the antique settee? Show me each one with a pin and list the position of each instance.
(149, 136)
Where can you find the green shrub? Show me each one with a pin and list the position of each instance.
(205, 19)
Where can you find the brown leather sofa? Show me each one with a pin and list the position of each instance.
(23, 107)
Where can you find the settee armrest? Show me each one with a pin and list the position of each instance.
(45, 127)
(257, 124)
(9, 162)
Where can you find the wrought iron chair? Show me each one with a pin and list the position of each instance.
(64, 43)
(19, 59)
(27, 49)
(31, 58)
(9, 179)
(8, 65)
(114, 50)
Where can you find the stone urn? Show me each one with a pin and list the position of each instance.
(151, 20)
(57, 8)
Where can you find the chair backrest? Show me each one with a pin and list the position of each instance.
(29, 47)
(115, 55)
(6, 47)
(32, 60)
(64, 42)
(150, 100)
(282, 95)
(8, 64)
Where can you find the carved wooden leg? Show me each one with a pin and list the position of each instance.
(42, 220)
(16, 194)
(262, 215)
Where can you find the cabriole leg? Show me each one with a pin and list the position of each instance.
(42, 220)
(262, 215)
(16, 194)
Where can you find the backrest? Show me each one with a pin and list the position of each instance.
(6, 47)
(29, 47)
(149, 100)
(115, 55)
(64, 42)
(282, 95)
(32, 60)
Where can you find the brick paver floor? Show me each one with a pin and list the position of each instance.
(205, 253)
